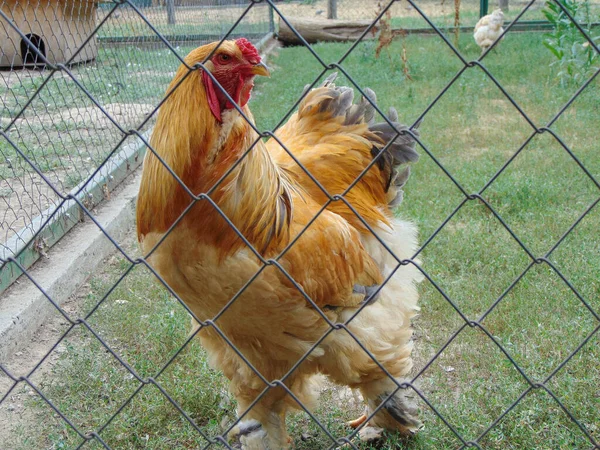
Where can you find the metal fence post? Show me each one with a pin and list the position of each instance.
(332, 9)
(271, 19)
(170, 12)
(483, 7)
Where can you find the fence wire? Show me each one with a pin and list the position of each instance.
(63, 125)
(112, 56)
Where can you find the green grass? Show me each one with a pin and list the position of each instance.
(472, 131)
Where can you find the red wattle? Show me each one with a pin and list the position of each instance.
(238, 91)
(211, 96)
(246, 92)
(242, 95)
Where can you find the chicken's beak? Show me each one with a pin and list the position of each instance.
(260, 69)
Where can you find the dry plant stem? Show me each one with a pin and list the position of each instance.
(456, 21)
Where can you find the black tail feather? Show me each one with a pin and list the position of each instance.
(399, 143)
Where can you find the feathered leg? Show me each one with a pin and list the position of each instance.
(263, 427)
(262, 424)
(399, 411)
(384, 330)
(346, 363)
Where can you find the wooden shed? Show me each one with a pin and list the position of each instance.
(57, 28)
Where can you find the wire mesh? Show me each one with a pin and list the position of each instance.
(444, 14)
(114, 54)
(62, 125)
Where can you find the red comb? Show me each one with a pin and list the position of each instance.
(248, 50)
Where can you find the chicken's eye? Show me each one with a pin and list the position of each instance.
(224, 58)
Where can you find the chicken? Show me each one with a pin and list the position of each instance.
(323, 265)
(488, 29)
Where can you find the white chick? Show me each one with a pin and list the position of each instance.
(488, 29)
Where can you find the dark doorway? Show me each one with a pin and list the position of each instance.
(28, 53)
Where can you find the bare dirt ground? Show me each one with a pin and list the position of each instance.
(125, 114)
(22, 199)
(346, 9)
(360, 9)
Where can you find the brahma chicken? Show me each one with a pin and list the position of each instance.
(488, 29)
(324, 265)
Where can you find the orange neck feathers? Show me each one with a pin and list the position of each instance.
(255, 195)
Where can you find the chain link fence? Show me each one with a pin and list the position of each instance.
(82, 84)
(113, 57)
(444, 14)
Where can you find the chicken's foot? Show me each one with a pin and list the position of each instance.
(357, 422)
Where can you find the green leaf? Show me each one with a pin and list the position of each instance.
(555, 51)
(550, 17)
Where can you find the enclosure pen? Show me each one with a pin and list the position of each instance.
(505, 197)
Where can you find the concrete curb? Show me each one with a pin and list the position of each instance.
(69, 263)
